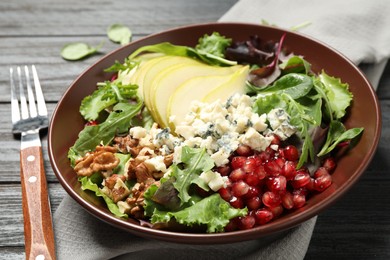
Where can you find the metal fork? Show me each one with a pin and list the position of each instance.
(27, 121)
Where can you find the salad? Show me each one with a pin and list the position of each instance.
(218, 137)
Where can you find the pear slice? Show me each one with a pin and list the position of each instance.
(198, 88)
(225, 91)
(156, 68)
(165, 84)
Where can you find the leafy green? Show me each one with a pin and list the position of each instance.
(295, 64)
(337, 134)
(119, 33)
(107, 94)
(87, 184)
(200, 52)
(78, 50)
(91, 136)
(196, 161)
(123, 159)
(212, 211)
(339, 97)
(294, 84)
(214, 44)
(126, 65)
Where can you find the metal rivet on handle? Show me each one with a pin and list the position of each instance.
(32, 179)
(31, 158)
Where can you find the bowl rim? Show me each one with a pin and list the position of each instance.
(228, 237)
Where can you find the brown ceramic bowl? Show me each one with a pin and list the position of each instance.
(66, 123)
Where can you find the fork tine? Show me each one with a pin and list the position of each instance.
(42, 110)
(30, 94)
(23, 101)
(15, 112)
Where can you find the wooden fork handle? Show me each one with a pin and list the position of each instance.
(38, 225)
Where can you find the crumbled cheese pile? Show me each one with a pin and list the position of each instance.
(221, 126)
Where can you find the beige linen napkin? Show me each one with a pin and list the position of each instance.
(357, 28)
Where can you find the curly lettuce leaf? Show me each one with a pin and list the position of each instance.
(212, 211)
(91, 136)
(338, 94)
(107, 94)
(87, 184)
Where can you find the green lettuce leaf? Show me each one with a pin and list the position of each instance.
(212, 211)
(339, 97)
(87, 184)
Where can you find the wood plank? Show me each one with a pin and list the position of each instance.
(11, 208)
(73, 17)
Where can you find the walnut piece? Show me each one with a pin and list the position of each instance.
(102, 159)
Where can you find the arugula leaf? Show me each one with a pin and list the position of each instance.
(119, 33)
(91, 136)
(126, 65)
(87, 184)
(212, 211)
(196, 161)
(107, 94)
(337, 133)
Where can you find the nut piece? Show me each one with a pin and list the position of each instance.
(102, 159)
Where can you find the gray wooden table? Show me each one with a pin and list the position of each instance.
(33, 32)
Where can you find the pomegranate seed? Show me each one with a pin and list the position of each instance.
(299, 200)
(238, 162)
(267, 154)
(323, 182)
(287, 200)
(225, 193)
(114, 77)
(252, 179)
(250, 164)
(237, 203)
(289, 170)
(247, 222)
(224, 170)
(276, 139)
(276, 184)
(271, 199)
(253, 203)
(329, 164)
(321, 171)
(260, 172)
(291, 153)
(300, 180)
(232, 225)
(301, 191)
(240, 188)
(244, 150)
(237, 175)
(93, 122)
(272, 168)
(254, 191)
(280, 161)
(277, 211)
(310, 185)
(263, 216)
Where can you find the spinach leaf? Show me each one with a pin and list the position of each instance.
(119, 33)
(78, 50)
(294, 84)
